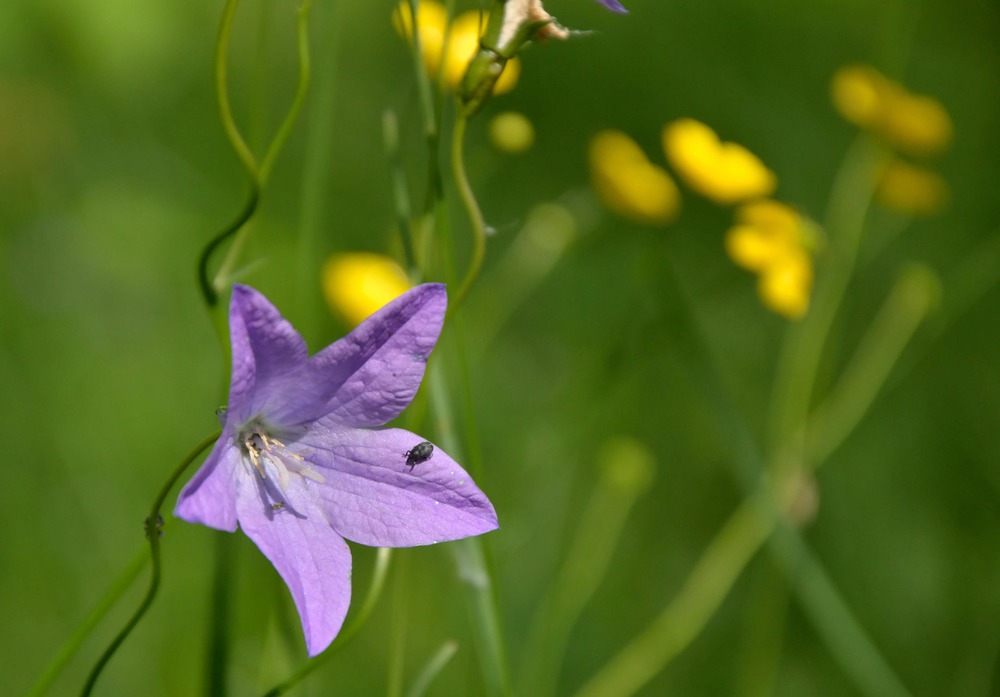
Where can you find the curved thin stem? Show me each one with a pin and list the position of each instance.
(382, 560)
(437, 663)
(107, 601)
(683, 619)
(471, 207)
(153, 525)
(222, 93)
(208, 290)
(302, 32)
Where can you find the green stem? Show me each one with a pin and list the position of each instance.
(474, 571)
(626, 471)
(218, 623)
(99, 611)
(714, 575)
(209, 291)
(222, 93)
(471, 208)
(382, 559)
(906, 307)
(302, 88)
(800, 357)
(400, 192)
(437, 663)
(153, 524)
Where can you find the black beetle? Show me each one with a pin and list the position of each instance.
(421, 452)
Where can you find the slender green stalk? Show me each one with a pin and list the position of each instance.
(93, 618)
(222, 92)
(153, 525)
(626, 472)
(471, 208)
(437, 663)
(474, 571)
(830, 614)
(906, 307)
(301, 89)
(382, 559)
(397, 631)
(714, 575)
(217, 651)
(400, 192)
(800, 357)
(763, 634)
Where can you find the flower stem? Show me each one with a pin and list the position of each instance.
(382, 559)
(800, 357)
(685, 616)
(471, 208)
(906, 307)
(99, 611)
(437, 663)
(153, 525)
(400, 192)
(474, 570)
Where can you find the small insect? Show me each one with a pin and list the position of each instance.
(277, 506)
(421, 452)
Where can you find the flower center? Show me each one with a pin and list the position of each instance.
(268, 454)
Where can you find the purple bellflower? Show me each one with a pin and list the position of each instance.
(614, 6)
(301, 464)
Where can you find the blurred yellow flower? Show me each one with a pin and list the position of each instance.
(773, 240)
(356, 284)
(916, 124)
(911, 190)
(628, 183)
(462, 42)
(785, 286)
(727, 173)
(512, 132)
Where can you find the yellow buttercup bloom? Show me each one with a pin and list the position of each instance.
(727, 173)
(628, 183)
(911, 190)
(785, 285)
(774, 241)
(916, 124)
(356, 284)
(462, 42)
(511, 132)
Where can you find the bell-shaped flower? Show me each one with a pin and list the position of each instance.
(301, 463)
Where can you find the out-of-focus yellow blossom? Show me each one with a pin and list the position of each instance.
(462, 42)
(512, 132)
(785, 285)
(628, 183)
(774, 241)
(727, 173)
(916, 124)
(356, 284)
(911, 190)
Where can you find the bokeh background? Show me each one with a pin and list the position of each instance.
(114, 172)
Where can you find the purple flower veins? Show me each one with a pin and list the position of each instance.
(301, 464)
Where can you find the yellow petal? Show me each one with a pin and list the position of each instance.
(724, 172)
(756, 248)
(916, 124)
(784, 286)
(357, 284)
(911, 190)
(859, 93)
(628, 183)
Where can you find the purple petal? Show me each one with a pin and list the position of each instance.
(368, 377)
(614, 6)
(373, 497)
(209, 497)
(267, 351)
(312, 559)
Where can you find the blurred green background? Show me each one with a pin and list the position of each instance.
(114, 172)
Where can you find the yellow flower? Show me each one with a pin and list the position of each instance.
(356, 284)
(724, 172)
(916, 124)
(773, 240)
(462, 42)
(785, 286)
(628, 183)
(512, 132)
(911, 190)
